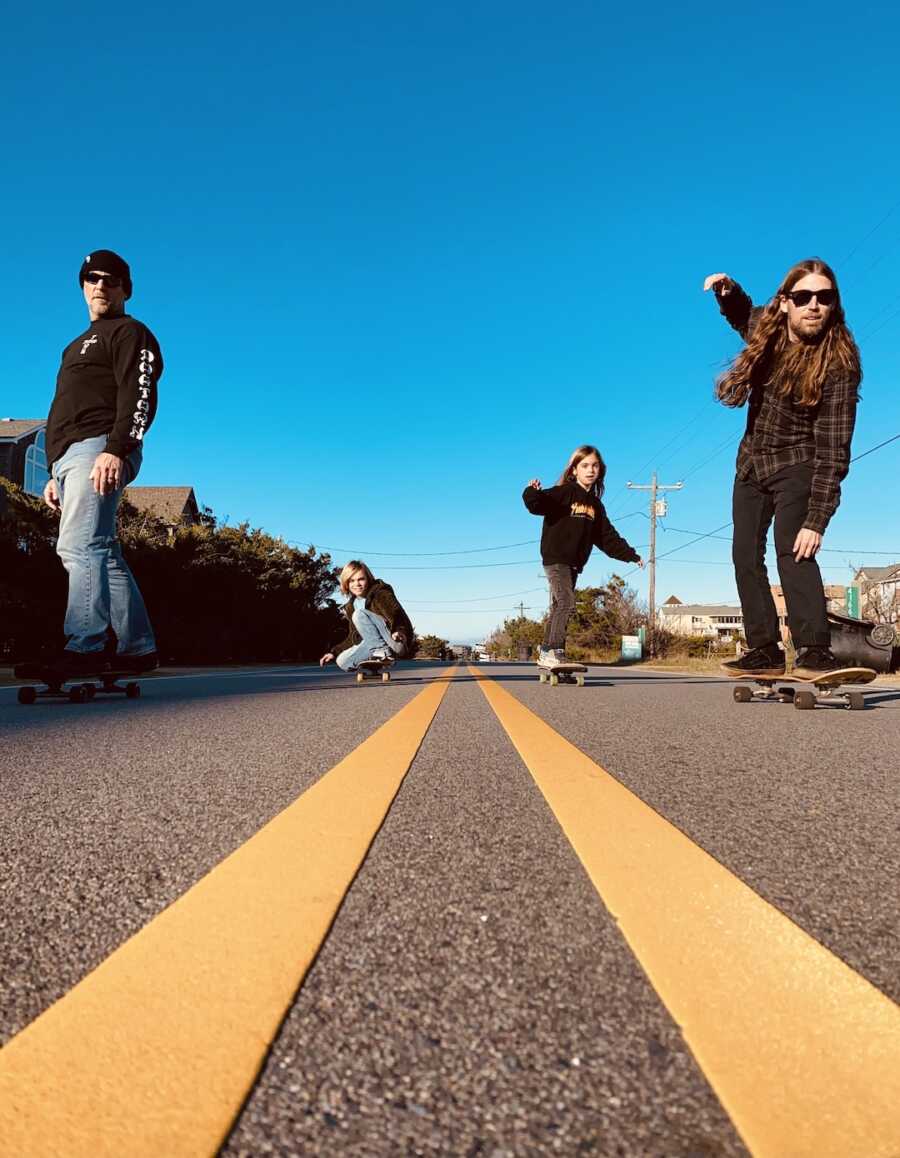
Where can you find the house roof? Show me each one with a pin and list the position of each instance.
(673, 601)
(700, 609)
(16, 427)
(876, 574)
(170, 504)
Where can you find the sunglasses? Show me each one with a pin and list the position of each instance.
(109, 281)
(825, 297)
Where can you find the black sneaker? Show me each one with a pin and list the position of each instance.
(765, 661)
(814, 661)
(136, 663)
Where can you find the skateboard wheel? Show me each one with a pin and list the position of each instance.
(91, 691)
(132, 691)
(359, 677)
(554, 679)
(742, 695)
(78, 695)
(27, 695)
(385, 677)
(579, 679)
(542, 676)
(856, 701)
(805, 701)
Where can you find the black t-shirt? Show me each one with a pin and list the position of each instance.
(107, 384)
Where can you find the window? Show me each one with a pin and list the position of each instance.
(36, 473)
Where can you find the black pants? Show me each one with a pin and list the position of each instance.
(561, 578)
(784, 496)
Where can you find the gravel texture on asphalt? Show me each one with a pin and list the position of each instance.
(474, 996)
(112, 809)
(804, 807)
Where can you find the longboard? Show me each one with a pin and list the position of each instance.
(370, 669)
(563, 673)
(827, 689)
(78, 689)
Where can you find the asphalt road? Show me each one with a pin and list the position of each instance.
(475, 994)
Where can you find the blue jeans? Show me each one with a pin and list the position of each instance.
(102, 590)
(376, 641)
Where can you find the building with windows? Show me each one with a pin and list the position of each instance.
(23, 457)
(879, 593)
(719, 621)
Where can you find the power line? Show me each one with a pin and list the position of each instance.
(856, 248)
(421, 554)
(480, 598)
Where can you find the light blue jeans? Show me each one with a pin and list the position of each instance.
(102, 590)
(376, 641)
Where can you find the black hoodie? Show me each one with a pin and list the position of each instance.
(107, 384)
(574, 523)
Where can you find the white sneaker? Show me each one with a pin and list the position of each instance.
(547, 657)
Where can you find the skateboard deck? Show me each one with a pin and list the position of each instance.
(79, 689)
(563, 673)
(818, 690)
(371, 669)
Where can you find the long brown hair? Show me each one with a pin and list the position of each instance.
(579, 453)
(798, 369)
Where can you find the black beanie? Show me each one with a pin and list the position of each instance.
(111, 263)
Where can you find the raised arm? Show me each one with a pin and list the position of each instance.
(541, 502)
(735, 305)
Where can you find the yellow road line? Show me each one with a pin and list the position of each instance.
(154, 1052)
(803, 1052)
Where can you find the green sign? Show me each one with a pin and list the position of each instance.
(853, 601)
(631, 647)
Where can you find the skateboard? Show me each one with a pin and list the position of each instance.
(371, 669)
(563, 673)
(80, 689)
(827, 689)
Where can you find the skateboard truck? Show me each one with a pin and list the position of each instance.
(370, 669)
(826, 689)
(81, 689)
(563, 673)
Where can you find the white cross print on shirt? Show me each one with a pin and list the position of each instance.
(91, 341)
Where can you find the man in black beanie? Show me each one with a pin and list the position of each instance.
(105, 401)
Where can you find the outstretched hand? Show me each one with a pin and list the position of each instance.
(536, 483)
(720, 283)
(642, 563)
(806, 544)
(326, 658)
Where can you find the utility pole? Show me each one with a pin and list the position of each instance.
(522, 610)
(659, 508)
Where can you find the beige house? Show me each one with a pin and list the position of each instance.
(879, 593)
(711, 620)
(175, 506)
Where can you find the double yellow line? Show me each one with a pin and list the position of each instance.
(803, 1052)
(155, 1051)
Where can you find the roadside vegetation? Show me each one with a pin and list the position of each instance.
(215, 593)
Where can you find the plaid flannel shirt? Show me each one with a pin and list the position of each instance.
(780, 433)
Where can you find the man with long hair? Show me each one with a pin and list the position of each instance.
(799, 373)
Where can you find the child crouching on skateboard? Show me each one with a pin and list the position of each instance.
(574, 523)
(378, 628)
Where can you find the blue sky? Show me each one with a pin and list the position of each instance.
(402, 257)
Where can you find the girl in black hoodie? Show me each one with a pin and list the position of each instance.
(574, 523)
